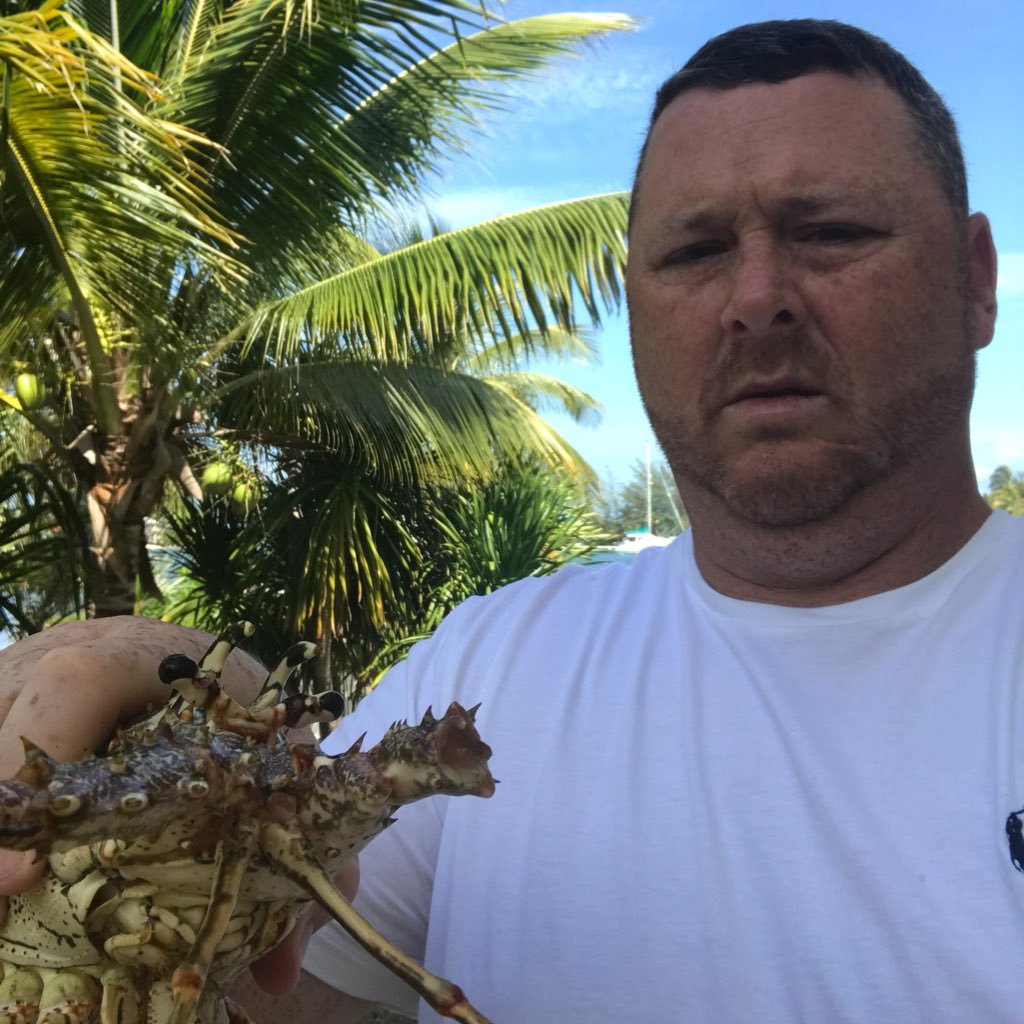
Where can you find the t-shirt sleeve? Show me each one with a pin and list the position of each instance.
(397, 867)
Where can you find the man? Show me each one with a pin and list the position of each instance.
(763, 774)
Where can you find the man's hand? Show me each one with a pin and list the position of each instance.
(281, 969)
(276, 984)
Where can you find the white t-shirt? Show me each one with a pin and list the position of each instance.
(714, 811)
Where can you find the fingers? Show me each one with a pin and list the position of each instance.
(279, 971)
(72, 700)
(347, 880)
(68, 687)
(67, 701)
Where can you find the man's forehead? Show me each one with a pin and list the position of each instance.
(824, 135)
(826, 90)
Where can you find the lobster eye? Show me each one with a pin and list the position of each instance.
(177, 666)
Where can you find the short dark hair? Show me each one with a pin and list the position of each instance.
(777, 51)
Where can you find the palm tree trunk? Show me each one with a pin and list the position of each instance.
(108, 593)
(117, 519)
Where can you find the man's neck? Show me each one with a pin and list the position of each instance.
(884, 539)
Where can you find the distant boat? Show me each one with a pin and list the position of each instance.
(637, 540)
(631, 544)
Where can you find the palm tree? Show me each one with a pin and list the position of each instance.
(328, 544)
(187, 197)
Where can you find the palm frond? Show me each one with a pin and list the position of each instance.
(32, 289)
(544, 394)
(69, 119)
(506, 354)
(412, 423)
(203, 585)
(381, 103)
(240, 82)
(521, 523)
(431, 109)
(42, 549)
(509, 276)
(349, 558)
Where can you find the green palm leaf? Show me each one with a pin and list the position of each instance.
(402, 423)
(42, 549)
(432, 108)
(360, 99)
(349, 559)
(507, 275)
(502, 354)
(270, 78)
(68, 119)
(545, 393)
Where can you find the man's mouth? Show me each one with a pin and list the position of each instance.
(773, 391)
(774, 404)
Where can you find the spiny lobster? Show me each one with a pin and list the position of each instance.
(188, 849)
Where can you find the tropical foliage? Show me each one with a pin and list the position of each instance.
(41, 549)
(190, 197)
(439, 545)
(1006, 490)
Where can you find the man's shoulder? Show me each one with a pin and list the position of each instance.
(572, 597)
(514, 637)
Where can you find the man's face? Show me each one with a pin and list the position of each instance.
(800, 312)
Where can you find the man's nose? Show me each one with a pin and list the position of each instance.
(763, 294)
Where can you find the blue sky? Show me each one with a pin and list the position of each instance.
(577, 130)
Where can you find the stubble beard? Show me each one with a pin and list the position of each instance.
(785, 490)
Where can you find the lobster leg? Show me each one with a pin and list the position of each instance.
(190, 976)
(19, 995)
(270, 693)
(285, 848)
(121, 1000)
(69, 997)
(217, 653)
(198, 686)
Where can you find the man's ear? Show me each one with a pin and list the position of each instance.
(981, 269)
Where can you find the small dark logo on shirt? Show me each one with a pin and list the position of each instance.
(1015, 837)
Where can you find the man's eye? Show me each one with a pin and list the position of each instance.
(694, 253)
(834, 234)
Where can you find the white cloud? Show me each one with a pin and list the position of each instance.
(574, 88)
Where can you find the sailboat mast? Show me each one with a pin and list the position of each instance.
(650, 524)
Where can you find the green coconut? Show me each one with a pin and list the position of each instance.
(243, 498)
(217, 478)
(30, 391)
